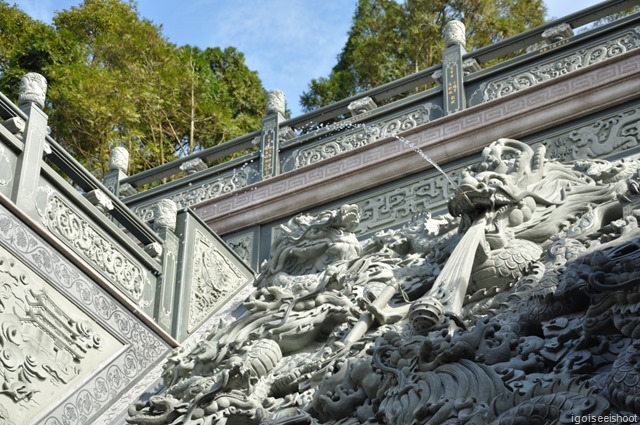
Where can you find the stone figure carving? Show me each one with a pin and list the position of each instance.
(519, 305)
(33, 89)
(276, 102)
(165, 214)
(119, 159)
(454, 34)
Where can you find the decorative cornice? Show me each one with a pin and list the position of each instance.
(543, 106)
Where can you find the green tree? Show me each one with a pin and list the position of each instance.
(390, 39)
(114, 79)
(26, 45)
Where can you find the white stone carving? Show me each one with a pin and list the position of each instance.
(119, 159)
(101, 252)
(454, 34)
(361, 106)
(524, 300)
(558, 33)
(165, 212)
(588, 56)
(214, 279)
(193, 166)
(194, 194)
(276, 102)
(364, 134)
(33, 89)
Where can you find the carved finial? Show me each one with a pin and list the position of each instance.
(362, 105)
(165, 214)
(454, 34)
(557, 33)
(193, 166)
(33, 89)
(276, 102)
(119, 159)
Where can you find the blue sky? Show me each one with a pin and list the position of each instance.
(288, 42)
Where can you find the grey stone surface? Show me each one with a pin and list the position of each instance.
(33, 89)
(547, 70)
(109, 346)
(520, 301)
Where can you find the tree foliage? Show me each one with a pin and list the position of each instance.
(389, 39)
(114, 79)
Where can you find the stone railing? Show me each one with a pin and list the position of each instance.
(551, 50)
(137, 260)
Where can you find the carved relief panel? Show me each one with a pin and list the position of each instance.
(559, 66)
(214, 278)
(360, 135)
(70, 343)
(94, 246)
(47, 345)
(194, 194)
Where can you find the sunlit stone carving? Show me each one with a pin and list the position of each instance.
(454, 34)
(276, 102)
(557, 33)
(523, 299)
(119, 159)
(165, 211)
(33, 89)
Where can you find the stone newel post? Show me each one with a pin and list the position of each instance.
(269, 160)
(118, 167)
(31, 98)
(452, 67)
(165, 213)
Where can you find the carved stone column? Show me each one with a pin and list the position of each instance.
(118, 166)
(269, 160)
(165, 225)
(452, 67)
(31, 97)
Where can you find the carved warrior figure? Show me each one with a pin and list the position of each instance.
(276, 102)
(119, 159)
(454, 34)
(521, 305)
(33, 89)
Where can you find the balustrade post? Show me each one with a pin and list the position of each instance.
(269, 139)
(118, 167)
(452, 67)
(31, 97)
(165, 225)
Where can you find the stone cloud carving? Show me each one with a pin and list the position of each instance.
(520, 305)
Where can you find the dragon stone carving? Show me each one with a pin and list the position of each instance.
(520, 306)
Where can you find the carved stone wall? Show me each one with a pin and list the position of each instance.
(69, 348)
(519, 307)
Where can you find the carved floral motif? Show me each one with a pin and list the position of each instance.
(97, 249)
(193, 195)
(561, 66)
(214, 279)
(365, 134)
